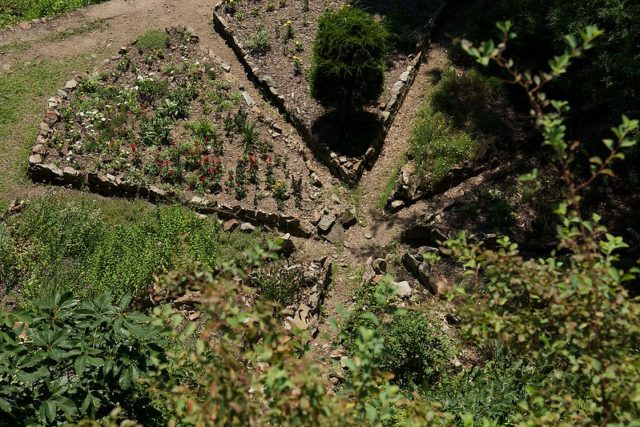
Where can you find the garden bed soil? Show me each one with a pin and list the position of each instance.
(171, 123)
(277, 37)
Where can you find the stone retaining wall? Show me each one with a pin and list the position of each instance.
(348, 171)
(109, 185)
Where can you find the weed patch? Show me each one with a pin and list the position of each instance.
(14, 11)
(88, 247)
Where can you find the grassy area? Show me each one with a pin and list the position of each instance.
(153, 40)
(14, 11)
(391, 182)
(14, 47)
(86, 246)
(460, 118)
(23, 94)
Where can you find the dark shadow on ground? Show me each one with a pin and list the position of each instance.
(348, 135)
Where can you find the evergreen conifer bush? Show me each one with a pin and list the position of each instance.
(349, 56)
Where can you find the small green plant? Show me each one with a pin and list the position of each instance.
(8, 259)
(230, 6)
(205, 131)
(280, 193)
(156, 131)
(297, 65)
(296, 188)
(288, 30)
(259, 44)
(124, 64)
(240, 182)
(250, 135)
(279, 283)
(153, 40)
(151, 90)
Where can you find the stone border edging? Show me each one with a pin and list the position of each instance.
(343, 169)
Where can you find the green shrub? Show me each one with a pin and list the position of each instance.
(349, 56)
(69, 360)
(414, 350)
(153, 40)
(87, 247)
(7, 260)
(259, 44)
(490, 392)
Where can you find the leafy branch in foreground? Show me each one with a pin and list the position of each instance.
(65, 360)
(570, 311)
(251, 370)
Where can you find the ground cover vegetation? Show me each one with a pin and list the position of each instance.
(20, 112)
(14, 11)
(166, 114)
(64, 243)
(461, 121)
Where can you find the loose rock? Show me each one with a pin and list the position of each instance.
(230, 225)
(336, 235)
(246, 227)
(404, 289)
(325, 223)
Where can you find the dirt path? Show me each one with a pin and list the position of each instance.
(124, 20)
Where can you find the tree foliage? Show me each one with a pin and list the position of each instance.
(606, 80)
(569, 310)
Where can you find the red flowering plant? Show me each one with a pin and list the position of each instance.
(134, 155)
(211, 171)
(241, 179)
(252, 169)
(191, 154)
